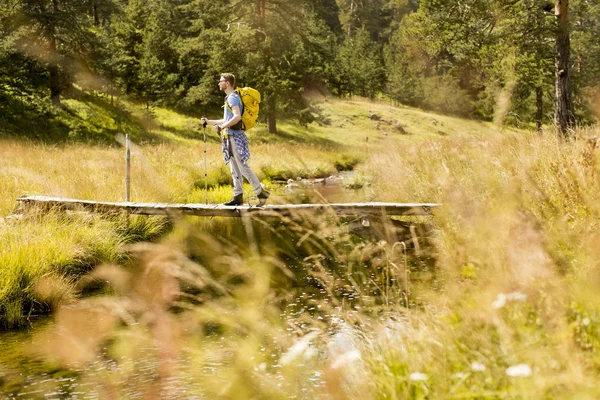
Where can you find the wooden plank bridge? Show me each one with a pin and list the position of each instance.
(219, 210)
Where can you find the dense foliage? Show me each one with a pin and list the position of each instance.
(487, 59)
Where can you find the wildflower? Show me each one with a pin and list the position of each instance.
(502, 298)
(299, 348)
(477, 367)
(516, 296)
(519, 371)
(342, 342)
(345, 359)
(500, 301)
(311, 352)
(418, 376)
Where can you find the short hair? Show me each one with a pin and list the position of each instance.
(229, 78)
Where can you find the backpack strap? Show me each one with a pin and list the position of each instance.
(241, 101)
(238, 125)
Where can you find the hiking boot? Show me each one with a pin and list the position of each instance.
(237, 200)
(263, 196)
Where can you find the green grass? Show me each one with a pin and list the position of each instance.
(168, 165)
(504, 274)
(43, 256)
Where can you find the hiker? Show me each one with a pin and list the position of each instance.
(235, 143)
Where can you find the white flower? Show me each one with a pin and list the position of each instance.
(477, 367)
(311, 352)
(343, 341)
(500, 301)
(519, 371)
(345, 359)
(418, 376)
(516, 296)
(502, 298)
(585, 321)
(297, 349)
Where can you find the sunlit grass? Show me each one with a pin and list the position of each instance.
(161, 173)
(57, 247)
(173, 170)
(502, 285)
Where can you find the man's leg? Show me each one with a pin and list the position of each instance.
(242, 170)
(236, 173)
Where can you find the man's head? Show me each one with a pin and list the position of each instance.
(227, 79)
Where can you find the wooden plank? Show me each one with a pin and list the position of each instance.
(219, 210)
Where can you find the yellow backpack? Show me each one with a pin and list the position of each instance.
(250, 99)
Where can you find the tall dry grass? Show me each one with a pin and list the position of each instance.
(160, 173)
(517, 258)
(242, 310)
(501, 304)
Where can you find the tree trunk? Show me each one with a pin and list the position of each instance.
(54, 81)
(539, 108)
(352, 7)
(54, 85)
(564, 113)
(272, 113)
(95, 12)
(262, 8)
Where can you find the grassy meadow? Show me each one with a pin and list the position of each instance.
(492, 296)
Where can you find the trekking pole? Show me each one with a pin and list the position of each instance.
(205, 173)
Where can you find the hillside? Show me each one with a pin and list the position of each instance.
(91, 117)
(89, 131)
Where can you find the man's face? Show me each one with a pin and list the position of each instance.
(223, 83)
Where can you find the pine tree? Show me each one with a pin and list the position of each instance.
(360, 66)
(53, 32)
(142, 58)
(585, 51)
(271, 45)
(564, 113)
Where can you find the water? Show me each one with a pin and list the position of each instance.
(198, 372)
(327, 269)
(20, 370)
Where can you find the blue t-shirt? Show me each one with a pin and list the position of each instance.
(233, 100)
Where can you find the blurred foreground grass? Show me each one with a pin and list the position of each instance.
(497, 301)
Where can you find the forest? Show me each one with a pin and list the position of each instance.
(492, 60)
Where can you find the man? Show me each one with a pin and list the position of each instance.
(235, 143)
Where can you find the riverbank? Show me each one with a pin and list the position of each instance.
(168, 166)
(500, 301)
